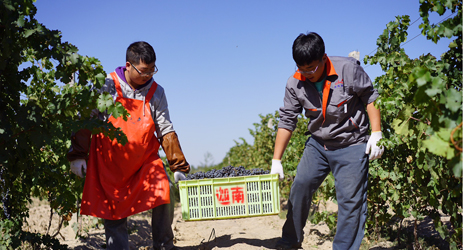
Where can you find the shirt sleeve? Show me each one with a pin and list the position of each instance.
(363, 86)
(290, 110)
(160, 113)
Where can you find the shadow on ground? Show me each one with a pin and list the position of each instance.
(225, 241)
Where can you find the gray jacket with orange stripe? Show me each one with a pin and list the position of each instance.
(340, 118)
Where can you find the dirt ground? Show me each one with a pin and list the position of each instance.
(244, 233)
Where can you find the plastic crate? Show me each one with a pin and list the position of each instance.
(231, 197)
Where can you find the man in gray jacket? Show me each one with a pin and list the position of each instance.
(338, 98)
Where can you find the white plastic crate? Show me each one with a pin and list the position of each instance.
(231, 197)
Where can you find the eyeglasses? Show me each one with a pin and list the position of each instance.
(309, 72)
(146, 74)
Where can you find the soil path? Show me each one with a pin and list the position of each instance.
(244, 233)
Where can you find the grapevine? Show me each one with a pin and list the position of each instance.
(39, 110)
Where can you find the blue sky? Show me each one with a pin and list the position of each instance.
(222, 63)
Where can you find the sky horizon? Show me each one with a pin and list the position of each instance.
(224, 63)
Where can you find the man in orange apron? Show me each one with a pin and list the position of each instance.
(126, 180)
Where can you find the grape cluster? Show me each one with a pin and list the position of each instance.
(228, 171)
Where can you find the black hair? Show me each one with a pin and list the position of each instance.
(140, 51)
(308, 48)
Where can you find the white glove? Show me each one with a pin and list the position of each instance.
(277, 168)
(79, 167)
(179, 176)
(376, 151)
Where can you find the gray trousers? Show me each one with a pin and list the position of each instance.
(117, 237)
(350, 170)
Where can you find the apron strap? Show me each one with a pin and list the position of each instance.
(117, 84)
(150, 94)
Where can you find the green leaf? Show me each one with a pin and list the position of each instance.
(74, 58)
(105, 100)
(51, 107)
(9, 6)
(395, 196)
(424, 79)
(444, 134)
(20, 22)
(448, 32)
(400, 127)
(100, 78)
(453, 100)
(382, 174)
(117, 110)
(458, 169)
(393, 176)
(432, 91)
(436, 145)
(29, 32)
(421, 76)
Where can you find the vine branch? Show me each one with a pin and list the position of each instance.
(452, 140)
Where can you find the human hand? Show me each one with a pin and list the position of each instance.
(277, 168)
(372, 148)
(79, 167)
(179, 176)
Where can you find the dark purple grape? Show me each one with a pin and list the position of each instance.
(228, 171)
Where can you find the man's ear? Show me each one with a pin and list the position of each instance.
(127, 64)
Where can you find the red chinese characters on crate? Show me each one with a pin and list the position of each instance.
(223, 195)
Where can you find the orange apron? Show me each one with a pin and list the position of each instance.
(125, 180)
